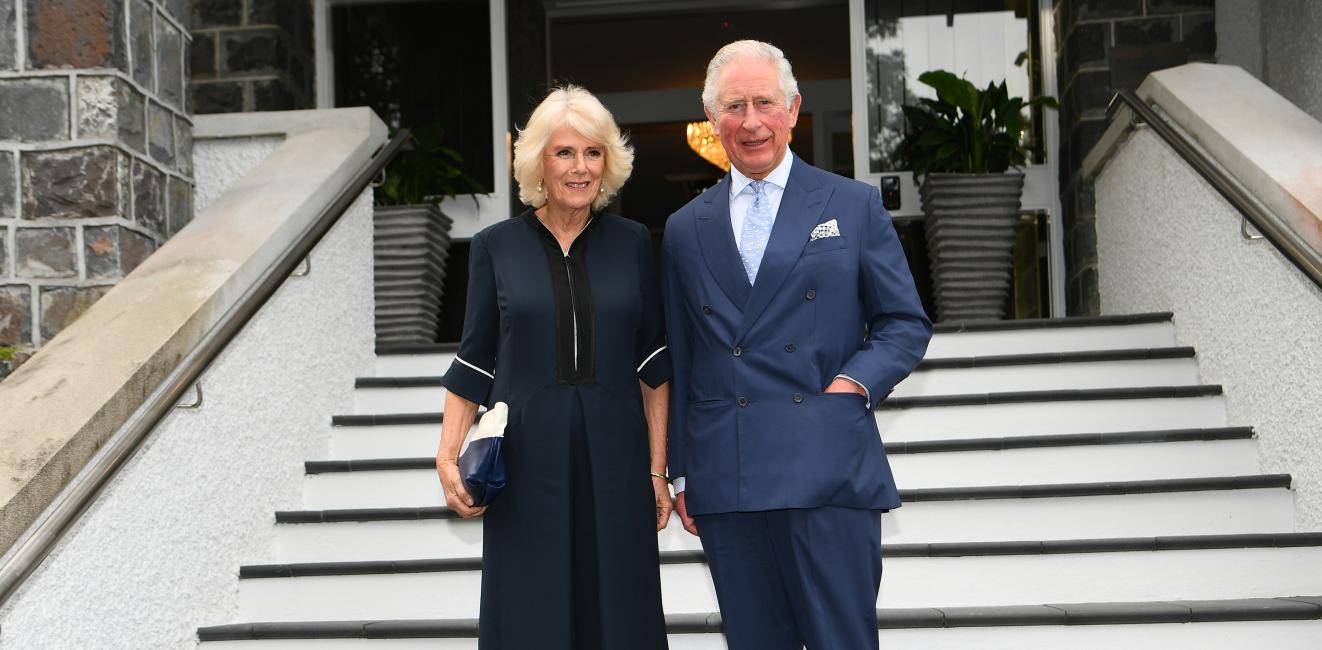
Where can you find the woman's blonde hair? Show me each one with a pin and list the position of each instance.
(577, 108)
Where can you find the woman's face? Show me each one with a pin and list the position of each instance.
(571, 169)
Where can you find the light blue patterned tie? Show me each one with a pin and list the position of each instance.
(757, 230)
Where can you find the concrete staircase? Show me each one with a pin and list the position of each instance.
(1068, 484)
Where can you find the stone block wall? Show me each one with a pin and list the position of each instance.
(95, 154)
(1103, 46)
(252, 55)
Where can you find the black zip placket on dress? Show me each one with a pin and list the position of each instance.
(574, 323)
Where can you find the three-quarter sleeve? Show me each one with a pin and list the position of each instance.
(473, 370)
(653, 359)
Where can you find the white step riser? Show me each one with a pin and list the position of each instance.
(1236, 635)
(1139, 515)
(924, 423)
(1050, 376)
(967, 344)
(909, 582)
(416, 488)
(951, 381)
(1063, 339)
(1037, 418)
(413, 365)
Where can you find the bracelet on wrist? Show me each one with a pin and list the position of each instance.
(661, 476)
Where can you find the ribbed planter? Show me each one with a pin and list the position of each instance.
(970, 241)
(410, 245)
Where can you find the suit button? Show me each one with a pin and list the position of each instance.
(706, 309)
(812, 293)
(738, 351)
(743, 401)
(798, 397)
(790, 348)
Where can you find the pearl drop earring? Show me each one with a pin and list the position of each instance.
(539, 187)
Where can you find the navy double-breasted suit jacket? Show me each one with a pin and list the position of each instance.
(750, 428)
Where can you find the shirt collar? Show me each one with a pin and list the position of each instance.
(780, 176)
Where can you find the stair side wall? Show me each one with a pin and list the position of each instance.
(157, 554)
(1168, 241)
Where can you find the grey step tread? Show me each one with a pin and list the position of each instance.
(889, 551)
(1119, 613)
(1092, 356)
(893, 448)
(1067, 395)
(895, 403)
(1049, 323)
(1050, 490)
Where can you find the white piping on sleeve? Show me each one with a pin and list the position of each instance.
(460, 360)
(650, 357)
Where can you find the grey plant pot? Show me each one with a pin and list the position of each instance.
(410, 244)
(970, 242)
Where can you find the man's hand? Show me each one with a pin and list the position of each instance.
(684, 517)
(842, 385)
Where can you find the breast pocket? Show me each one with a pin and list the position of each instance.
(824, 244)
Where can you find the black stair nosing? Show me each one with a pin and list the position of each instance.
(889, 551)
(419, 381)
(990, 361)
(956, 327)
(1043, 358)
(1004, 443)
(389, 349)
(386, 419)
(1101, 488)
(975, 493)
(1039, 441)
(1043, 396)
(1288, 608)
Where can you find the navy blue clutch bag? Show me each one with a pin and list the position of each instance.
(482, 464)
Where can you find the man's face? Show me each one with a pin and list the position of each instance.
(752, 118)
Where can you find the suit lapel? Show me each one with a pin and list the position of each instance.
(800, 207)
(716, 237)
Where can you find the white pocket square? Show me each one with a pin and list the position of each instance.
(824, 230)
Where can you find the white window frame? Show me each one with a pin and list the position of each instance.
(469, 216)
(1041, 186)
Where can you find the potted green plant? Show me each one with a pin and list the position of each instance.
(962, 146)
(411, 236)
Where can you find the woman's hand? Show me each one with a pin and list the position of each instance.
(456, 494)
(663, 503)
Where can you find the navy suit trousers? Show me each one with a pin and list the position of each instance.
(787, 579)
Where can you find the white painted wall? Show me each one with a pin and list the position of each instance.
(158, 553)
(1167, 241)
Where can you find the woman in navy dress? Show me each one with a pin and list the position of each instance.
(564, 325)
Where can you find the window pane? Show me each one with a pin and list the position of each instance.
(417, 64)
(906, 39)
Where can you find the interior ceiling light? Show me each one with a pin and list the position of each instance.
(703, 141)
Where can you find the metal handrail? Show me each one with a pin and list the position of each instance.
(42, 536)
(1284, 238)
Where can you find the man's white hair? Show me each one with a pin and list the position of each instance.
(789, 86)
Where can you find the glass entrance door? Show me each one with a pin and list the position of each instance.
(895, 41)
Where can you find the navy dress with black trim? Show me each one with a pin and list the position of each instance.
(569, 551)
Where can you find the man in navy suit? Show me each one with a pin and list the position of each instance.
(790, 313)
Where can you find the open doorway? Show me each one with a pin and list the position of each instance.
(647, 66)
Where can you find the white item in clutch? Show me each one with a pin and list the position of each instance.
(492, 424)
